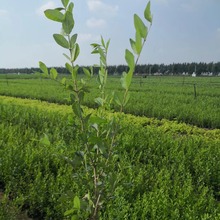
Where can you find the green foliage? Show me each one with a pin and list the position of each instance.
(75, 52)
(140, 26)
(147, 13)
(162, 169)
(65, 3)
(102, 51)
(54, 15)
(68, 22)
(137, 46)
(53, 73)
(43, 68)
(93, 164)
(175, 100)
(61, 40)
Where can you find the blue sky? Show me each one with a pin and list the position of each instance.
(182, 31)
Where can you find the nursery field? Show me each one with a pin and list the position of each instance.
(185, 99)
(167, 149)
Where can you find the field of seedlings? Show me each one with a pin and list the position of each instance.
(184, 99)
(166, 160)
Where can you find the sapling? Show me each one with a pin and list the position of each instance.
(97, 153)
(137, 44)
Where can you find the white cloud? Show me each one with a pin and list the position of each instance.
(95, 23)
(3, 13)
(48, 5)
(99, 6)
(86, 37)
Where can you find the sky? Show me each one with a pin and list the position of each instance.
(182, 31)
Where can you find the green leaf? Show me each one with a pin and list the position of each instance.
(61, 40)
(74, 217)
(102, 56)
(65, 2)
(75, 52)
(73, 41)
(97, 120)
(59, 9)
(103, 61)
(53, 73)
(123, 80)
(147, 13)
(72, 97)
(76, 202)
(100, 101)
(94, 45)
(69, 68)
(87, 72)
(138, 43)
(45, 140)
(91, 71)
(68, 22)
(77, 110)
(69, 87)
(86, 119)
(95, 51)
(133, 45)
(81, 95)
(107, 44)
(126, 99)
(102, 76)
(69, 212)
(70, 7)
(63, 81)
(103, 42)
(140, 26)
(74, 73)
(43, 68)
(54, 15)
(118, 101)
(67, 57)
(126, 79)
(129, 56)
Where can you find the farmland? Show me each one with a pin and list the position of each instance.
(168, 151)
(172, 98)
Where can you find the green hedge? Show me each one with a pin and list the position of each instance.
(166, 170)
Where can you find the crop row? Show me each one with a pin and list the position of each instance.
(167, 170)
(173, 98)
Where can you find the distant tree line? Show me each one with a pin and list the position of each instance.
(144, 69)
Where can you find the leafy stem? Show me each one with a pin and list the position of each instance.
(137, 44)
(142, 46)
(97, 134)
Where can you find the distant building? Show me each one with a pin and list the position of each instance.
(194, 74)
(158, 74)
(207, 74)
